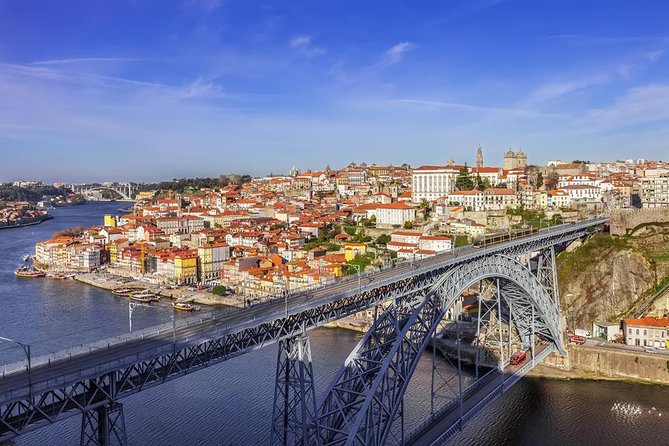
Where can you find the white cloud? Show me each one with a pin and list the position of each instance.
(302, 44)
(648, 103)
(202, 88)
(553, 91)
(84, 60)
(654, 56)
(395, 54)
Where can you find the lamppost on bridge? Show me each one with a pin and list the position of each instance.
(26, 350)
(357, 267)
(131, 307)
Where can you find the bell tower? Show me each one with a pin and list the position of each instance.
(479, 157)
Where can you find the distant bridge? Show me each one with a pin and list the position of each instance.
(127, 191)
(518, 311)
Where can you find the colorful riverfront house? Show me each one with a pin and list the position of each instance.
(185, 267)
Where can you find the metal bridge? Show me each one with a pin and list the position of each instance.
(414, 302)
(126, 191)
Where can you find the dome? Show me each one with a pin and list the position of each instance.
(509, 153)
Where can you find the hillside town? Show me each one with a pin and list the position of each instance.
(279, 234)
(20, 213)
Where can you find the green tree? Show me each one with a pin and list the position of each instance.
(382, 239)
(464, 181)
(408, 225)
(540, 179)
(219, 290)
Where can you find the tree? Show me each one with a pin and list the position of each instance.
(219, 290)
(408, 225)
(382, 239)
(426, 207)
(482, 183)
(464, 181)
(540, 179)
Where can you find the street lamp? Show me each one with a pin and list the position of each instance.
(26, 350)
(357, 267)
(133, 305)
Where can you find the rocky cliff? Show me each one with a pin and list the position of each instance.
(611, 277)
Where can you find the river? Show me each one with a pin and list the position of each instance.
(231, 403)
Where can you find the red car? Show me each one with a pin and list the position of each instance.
(518, 358)
(576, 340)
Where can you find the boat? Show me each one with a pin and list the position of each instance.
(28, 273)
(59, 276)
(27, 258)
(143, 296)
(127, 291)
(183, 306)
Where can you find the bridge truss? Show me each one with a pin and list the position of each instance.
(363, 404)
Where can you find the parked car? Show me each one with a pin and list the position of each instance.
(578, 340)
(649, 349)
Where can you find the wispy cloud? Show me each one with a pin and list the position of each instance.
(84, 60)
(557, 90)
(640, 105)
(303, 45)
(654, 56)
(394, 54)
(434, 105)
(201, 88)
(584, 39)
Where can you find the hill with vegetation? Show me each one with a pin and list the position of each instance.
(608, 278)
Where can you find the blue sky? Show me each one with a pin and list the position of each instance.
(156, 89)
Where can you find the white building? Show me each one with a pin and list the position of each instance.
(655, 192)
(392, 214)
(557, 198)
(646, 332)
(583, 193)
(432, 182)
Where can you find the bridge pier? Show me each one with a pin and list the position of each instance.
(294, 412)
(104, 426)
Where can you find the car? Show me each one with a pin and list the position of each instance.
(578, 340)
(649, 349)
(662, 347)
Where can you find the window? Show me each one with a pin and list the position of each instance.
(629, 331)
(637, 331)
(645, 332)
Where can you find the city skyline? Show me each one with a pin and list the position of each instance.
(148, 91)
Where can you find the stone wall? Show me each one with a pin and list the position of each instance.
(653, 367)
(624, 219)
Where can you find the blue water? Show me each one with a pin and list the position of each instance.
(231, 403)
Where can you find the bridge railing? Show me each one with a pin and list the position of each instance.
(182, 322)
(213, 315)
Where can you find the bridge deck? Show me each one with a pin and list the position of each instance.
(47, 374)
(487, 389)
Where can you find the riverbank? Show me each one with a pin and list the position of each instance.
(110, 282)
(606, 364)
(30, 223)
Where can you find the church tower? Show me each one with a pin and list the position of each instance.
(479, 157)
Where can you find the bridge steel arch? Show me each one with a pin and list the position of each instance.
(365, 396)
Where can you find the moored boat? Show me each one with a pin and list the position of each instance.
(183, 306)
(28, 273)
(143, 296)
(59, 276)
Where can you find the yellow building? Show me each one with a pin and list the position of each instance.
(353, 249)
(110, 221)
(185, 268)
